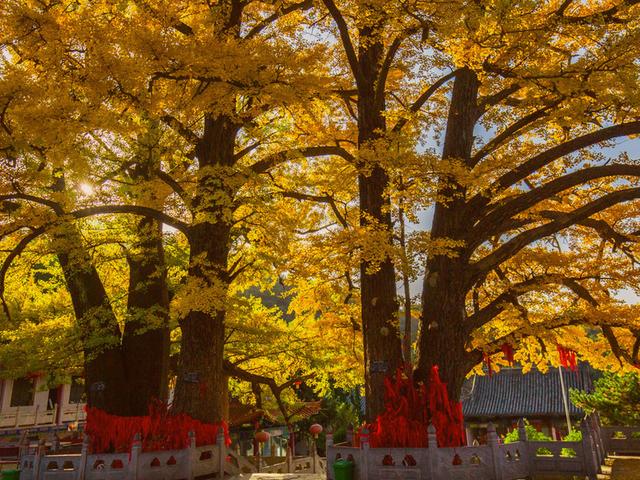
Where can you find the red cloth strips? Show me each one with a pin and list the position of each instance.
(567, 358)
(159, 430)
(410, 409)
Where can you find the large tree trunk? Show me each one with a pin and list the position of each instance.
(382, 349)
(145, 342)
(105, 380)
(443, 333)
(201, 383)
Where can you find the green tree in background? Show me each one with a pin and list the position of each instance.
(616, 398)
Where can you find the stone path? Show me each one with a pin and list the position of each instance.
(625, 468)
(281, 476)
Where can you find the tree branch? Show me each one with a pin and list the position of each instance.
(511, 130)
(180, 128)
(55, 206)
(326, 198)
(133, 210)
(264, 165)
(533, 164)
(500, 217)
(255, 30)
(347, 44)
(497, 306)
(237, 372)
(422, 99)
(175, 186)
(517, 243)
(13, 254)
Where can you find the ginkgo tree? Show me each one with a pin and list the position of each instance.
(488, 113)
(521, 93)
(213, 81)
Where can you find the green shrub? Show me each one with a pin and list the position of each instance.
(532, 435)
(574, 436)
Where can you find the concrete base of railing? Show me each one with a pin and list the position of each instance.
(494, 461)
(165, 465)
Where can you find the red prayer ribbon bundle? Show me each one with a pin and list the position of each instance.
(409, 410)
(568, 358)
(507, 350)
(159, 430)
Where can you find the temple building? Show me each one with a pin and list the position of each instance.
(506, 396)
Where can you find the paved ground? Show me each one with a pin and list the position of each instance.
(625, 468)
(281, 476)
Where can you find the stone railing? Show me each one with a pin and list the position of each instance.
(492, 461)
(187, 464)
(621, 440)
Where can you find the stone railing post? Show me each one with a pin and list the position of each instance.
(329, 438)
(587, 423)
(349, 438)
(594, 425)
(134, 460)
(222, 452)
(525, 455)
(84, 453)
(432, 452)
(522, 431)
(590, 458)
(363, 468)
(191, 455)
(37, 461)
(494, 443)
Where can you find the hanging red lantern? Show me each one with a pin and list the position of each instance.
(315, 430)
(262, 436)
(297, 384)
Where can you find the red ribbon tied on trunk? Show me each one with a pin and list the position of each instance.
(408, 411)
(160, 430)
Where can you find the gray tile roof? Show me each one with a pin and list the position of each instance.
(509, 393)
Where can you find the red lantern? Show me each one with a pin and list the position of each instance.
(297, 383)
(262, 436)
(315, 430)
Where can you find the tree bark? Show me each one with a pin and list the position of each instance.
(105, 380)
(382, 349)
(200, 387)
(406, 288)
(145, 342)
(443, 333)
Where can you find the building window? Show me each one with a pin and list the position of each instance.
(76, 393)
(23, 392)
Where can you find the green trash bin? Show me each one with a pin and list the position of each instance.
(10, 474)
(343, 470)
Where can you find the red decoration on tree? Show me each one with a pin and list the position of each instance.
(486, 358)
(159, 430)
(567, 358)
(409, 410)
(507, 350)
